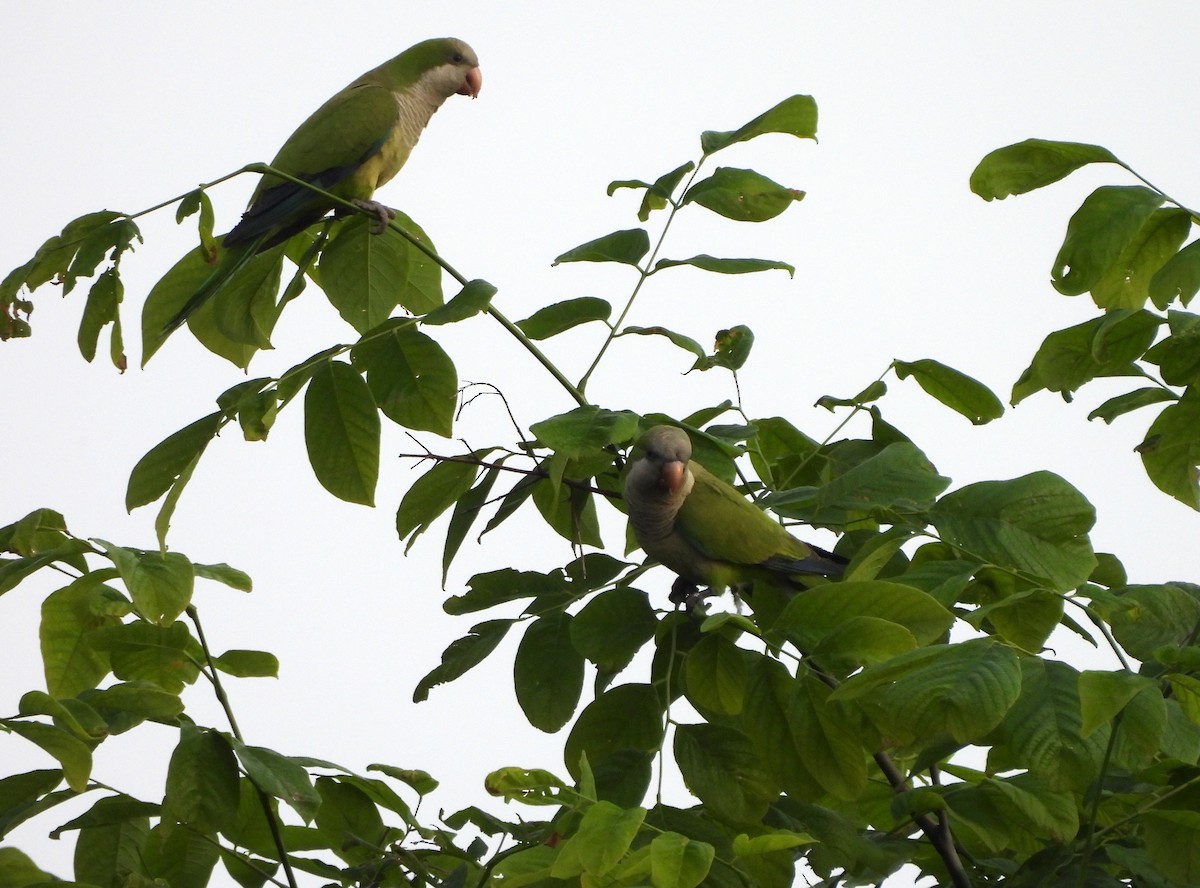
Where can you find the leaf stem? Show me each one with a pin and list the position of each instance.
(643, 274)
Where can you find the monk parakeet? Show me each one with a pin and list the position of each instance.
(704, 530)
(350, 146)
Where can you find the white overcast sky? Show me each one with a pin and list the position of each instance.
(123, 106)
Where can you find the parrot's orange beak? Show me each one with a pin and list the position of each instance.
(473, 84)
(673, 473)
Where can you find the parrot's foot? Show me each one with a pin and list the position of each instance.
(683, 591)
(383, 215)
(689, 597)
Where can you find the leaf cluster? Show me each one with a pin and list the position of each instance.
(907, 713)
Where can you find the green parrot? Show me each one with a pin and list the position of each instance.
(351, 145)
(704, 530)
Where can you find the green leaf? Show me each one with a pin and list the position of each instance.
(715, 674)
(70, 663)
(1145, 618)
(1179, 278)
(166, 461)
(727, 266)
(473, 298)
(582, 431)
(679, 862)
(202, 780)
(1173, 844)
(102, 308)
(431, 495)
(956, 390)
(140, 651)
(341, 432)
(742, 195)
(1098, 233)
(719, 765)
(462, 655)
(1130, 401)
(562, 316)
(1037, 523)
(17, 869)
(613, 626)
(810, 618)
(248, 664)
(961, 690)
(604, 837)
(1103, 346)
(1042, 729)
(684, 342)
(1104, 694)
(280, 777)
(71, 753)
(1126, 284)
(140, 698)
(180, 858)
(112, 838)
(569, 511)
(366, 276)
(349, 821)
(900, 478)
(1178, 355)
(223, 573)
(495, 587)
(627, 247)
(411, 377)
(548, 673)
(466, 511)
(624, 718)
(160, 583)
(1171, 451)
(731, 349)
(1034, 163)
(658, 195)
(794, 116)
(243, 311)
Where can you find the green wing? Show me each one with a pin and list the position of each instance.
(725, 526)
(326, 150)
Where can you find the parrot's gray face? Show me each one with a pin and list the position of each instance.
(460, 73)
(668, 449)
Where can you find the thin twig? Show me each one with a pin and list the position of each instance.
(537, 473)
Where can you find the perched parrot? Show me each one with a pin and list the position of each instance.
(704, 530)
(350, 146)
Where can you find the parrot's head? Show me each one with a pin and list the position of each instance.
(668, 450)
(449, 65)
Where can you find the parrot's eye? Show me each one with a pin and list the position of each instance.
(457, 58)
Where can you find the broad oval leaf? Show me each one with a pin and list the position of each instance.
(562, 316)
(1179, 278)
(1098, 233)
(1126, 284)
(959, 392)
(810, 618)
(742, 195)
(341, 432)
(613, 626)
(202, 780)
(166, 461)
(548, 672)
(715, 674)
(627, 247)
(473, 298)
(1037, 523)
(412, 379)
(462, 655)
(582, 431)
(1171, 451)
(794, 116)
(431, 495)
(719, 765)
(1034, 163)
(624, 718)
